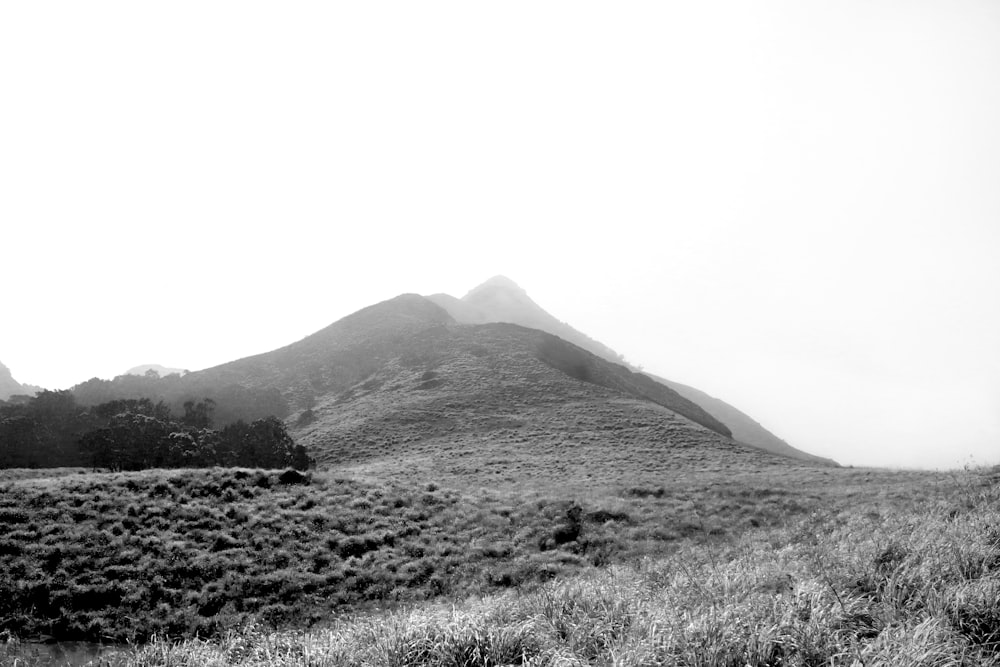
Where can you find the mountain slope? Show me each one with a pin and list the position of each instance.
(402, 386)
(500, 299)
(743, 427)
(354, 348)
(501, 405)
(333, 358)
(8, 385)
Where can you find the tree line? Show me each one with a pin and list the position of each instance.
(232, 402)
(52, 429)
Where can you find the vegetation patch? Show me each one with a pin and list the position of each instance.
(778, 596)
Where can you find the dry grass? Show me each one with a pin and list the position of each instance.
(913, 584)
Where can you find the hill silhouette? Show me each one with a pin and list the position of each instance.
(11, 387)
(500, 299)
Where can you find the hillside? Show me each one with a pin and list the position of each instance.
(333, 358)
(160, 370)
(500, 299)
(743, 427)
(503, 404)
(351, 381)
(11, 387)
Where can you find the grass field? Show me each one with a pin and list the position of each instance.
(884, 580)
(130, 556)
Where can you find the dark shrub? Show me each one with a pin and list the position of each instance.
(225, 542)
(291, 476)
(603, 516)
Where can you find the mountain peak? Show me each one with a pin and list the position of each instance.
(496, 282)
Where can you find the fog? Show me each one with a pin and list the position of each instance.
(793, 207)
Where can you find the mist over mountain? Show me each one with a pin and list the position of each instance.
(401, 387)
(743, 427)
(444, 372)
(8, 385)
(496, 346)
(359, 346)
(161, 371)
(500, 299)
(11, 387)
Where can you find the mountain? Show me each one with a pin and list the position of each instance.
(161, 371)
(743, 427)
(333, 358)
(403, 387)
(503, 406)
(11, 387)
(500, 299)
(358, 347)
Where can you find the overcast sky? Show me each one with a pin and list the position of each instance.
(794, 206)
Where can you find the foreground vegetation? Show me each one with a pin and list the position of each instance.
(904, 585)
(727, 576)
(181, 553)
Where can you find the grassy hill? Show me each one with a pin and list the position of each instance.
(500, 299)
(403, 371)
(517, 396)
(333, 358)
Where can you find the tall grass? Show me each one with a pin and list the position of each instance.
(914, 585)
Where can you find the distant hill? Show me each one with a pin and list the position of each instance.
(162, 371)
(11, 387)
(359, 346)
(500, 299)
(401, 387)
(333, 358)
(501, 405)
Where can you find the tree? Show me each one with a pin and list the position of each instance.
(198, 415)
(264, 443)
(19, 443)
(130, 441)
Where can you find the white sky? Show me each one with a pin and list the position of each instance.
(794, 206)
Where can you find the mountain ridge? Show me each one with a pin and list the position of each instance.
(373, 353)
(500, 299)
(11, 387)
(357, 346)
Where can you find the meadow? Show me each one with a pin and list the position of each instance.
(125, 556)
(231, 566)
